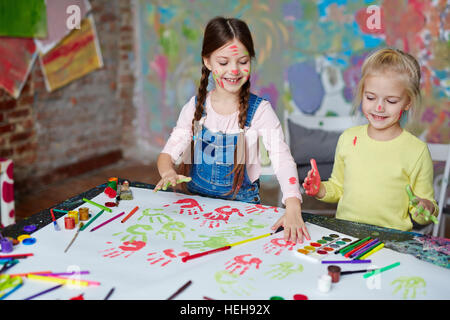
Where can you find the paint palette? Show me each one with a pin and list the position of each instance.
(317, 250)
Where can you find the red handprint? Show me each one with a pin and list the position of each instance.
(191, 206)
(258, 209)
(167, 258)
(238, 262)
(278, 244)
(218, 216)
(127, 249)
(312, 181)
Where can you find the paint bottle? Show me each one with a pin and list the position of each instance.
(334, 272)
(69, 223)
(324, 283)
(6, 245)
(74, 214)
(84, 213)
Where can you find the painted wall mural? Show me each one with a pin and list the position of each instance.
(308, 55)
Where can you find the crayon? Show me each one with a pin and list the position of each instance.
(377, 271)
(97, 205)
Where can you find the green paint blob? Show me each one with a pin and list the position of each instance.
(276, 298)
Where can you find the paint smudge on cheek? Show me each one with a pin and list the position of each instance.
(217, 79)
(292, 180)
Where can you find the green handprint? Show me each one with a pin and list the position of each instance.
(134, 234)
(172, 228)
(211, 242)
(158, 216)
(241, 231)
(409, 285)
(284, 269)
(229, 282)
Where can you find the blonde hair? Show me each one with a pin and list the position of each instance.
(392, 60)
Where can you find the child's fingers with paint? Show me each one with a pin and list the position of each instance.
(171, 180)
(312, 181)
(421, 206)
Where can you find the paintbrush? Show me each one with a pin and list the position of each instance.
(57, 228)
(76, 234)
(201, 254)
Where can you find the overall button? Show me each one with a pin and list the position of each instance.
(252, 188)
(255, 199)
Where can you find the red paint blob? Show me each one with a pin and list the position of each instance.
(300, 297)
(321, 252)
(292, 180)
(9, 170)
(110, 204)
(354, 140)
(315, 244)
(7, 192)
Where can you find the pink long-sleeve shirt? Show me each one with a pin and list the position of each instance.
(265, 123)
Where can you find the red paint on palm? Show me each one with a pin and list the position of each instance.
(312, 181)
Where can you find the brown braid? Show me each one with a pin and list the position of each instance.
(239, 168)
(185, 168)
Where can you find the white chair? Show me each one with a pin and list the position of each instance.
(320, 122)
(440, 152)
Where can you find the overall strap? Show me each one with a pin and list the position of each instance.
(253, 104)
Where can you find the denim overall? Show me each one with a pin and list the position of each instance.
(214, 159)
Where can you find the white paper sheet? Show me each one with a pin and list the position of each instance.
(168, 226)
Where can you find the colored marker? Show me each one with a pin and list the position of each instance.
(350, 248)
(61, 211)
(251, 239)
(345, 261)
(109, 293)
(97, 205)
(107, 221)
(197, 255)
(61, 280)
(377, 248)
(366, 247)
(130, 214)
(92, 220)
(26, 274)
(347, 246)
(17, 256)
(356, 248)
(44, 292)
(362, 252)
(377, 271)
(201, 254)
(187, 284)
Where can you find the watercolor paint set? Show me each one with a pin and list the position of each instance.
(315, 251)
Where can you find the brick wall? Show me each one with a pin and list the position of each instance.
(85, 125)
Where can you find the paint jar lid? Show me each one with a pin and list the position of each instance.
(23, 236)
(29, 241)
(29, 228)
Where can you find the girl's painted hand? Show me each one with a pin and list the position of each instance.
(170, 179)
(421, 206)
(311, 184)
(294, 226)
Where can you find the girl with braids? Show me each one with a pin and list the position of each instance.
(217, 131)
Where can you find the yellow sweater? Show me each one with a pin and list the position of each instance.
(369, 178)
